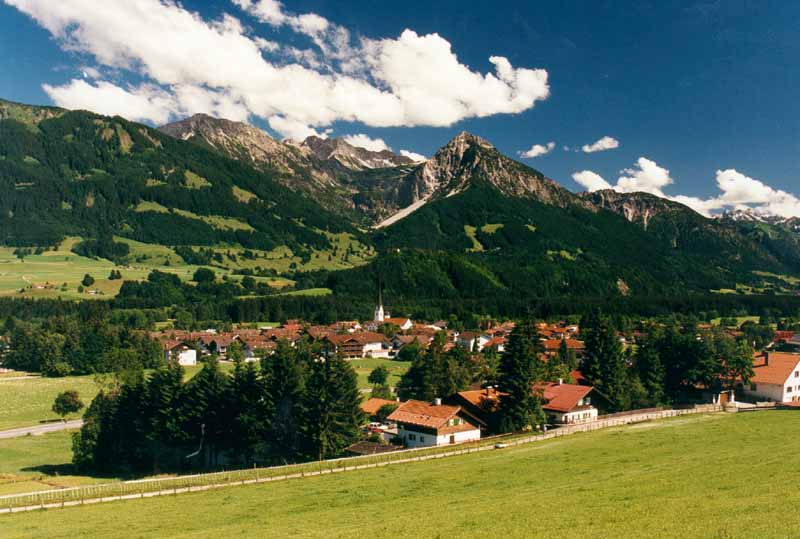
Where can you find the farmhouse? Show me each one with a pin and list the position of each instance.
(372, 405)
(425, 424)
(179, 351)
(566, 404)
(360, 345)
(472, 341)
(777, 378)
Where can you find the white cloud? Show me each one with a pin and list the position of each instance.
(538, 149)
(416, 157)
(408, 81)
(645, 176)
(363, 141)
(737, 191)
(605, 143)
(294, 130)
(592, 181)
(142, 103)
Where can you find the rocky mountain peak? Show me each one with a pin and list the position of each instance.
(352, 157)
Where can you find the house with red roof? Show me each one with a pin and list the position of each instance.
(426, 424)
(180, 351)
(566, 404)
(776, 378)
(360, 345)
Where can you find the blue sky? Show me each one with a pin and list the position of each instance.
(706, 90)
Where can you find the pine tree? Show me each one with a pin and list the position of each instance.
(332, 415)
(520, 367)
(162, 409)
(651, 372)
(206, 411)
(283, 378)
(606, 363)
(247, 411)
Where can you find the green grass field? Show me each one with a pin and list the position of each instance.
(365, 366)
(34, 463)
(720, 476)
(58, 273)
(27, 402)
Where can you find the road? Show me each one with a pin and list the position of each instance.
(40, 429)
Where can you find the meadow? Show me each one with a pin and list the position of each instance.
(34, 463)
(365, 366)
(718, 476)
(26, 402)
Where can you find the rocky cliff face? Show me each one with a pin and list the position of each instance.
(638, 208)
(350, 156)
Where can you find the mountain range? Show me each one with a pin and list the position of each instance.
(469, 222)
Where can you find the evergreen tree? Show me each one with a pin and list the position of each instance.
(520, 367)
(163, 411)
(606, 362)
(205, 410)
(247, 411)
(332, 415)
(651, 372)
(284, 384)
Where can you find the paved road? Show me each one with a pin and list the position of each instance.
(40, 429)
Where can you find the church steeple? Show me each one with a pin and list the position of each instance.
(380, 316)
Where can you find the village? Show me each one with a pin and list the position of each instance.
(469, 415)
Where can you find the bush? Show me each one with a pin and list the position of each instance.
(68, 402)
(204, 275)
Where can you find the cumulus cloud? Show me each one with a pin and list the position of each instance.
(416, 157)
(645, 176)
(737, 191)
(411, 80)
(605, 143)
(363, 141)
(538, 149)
(592, 181)
(142, 103)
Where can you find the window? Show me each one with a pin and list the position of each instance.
(797, 374)
(412, 437)
(789, 389)
(753, 387)
(422, 439)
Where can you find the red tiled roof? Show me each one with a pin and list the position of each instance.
(555, 344)
(776, 369)
(424, 414)
(484, 399)
(561, 397)
(371, 406)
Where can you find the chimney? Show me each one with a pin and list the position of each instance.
(437, 401)
(560, 381)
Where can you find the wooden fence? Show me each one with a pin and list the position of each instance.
(146, 488)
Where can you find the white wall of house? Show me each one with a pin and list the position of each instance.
(375, 349)
(187, 357)
(578, 416)
(412, 438)
(770, 392)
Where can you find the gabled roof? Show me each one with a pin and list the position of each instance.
(561, 397)
(774, 368)
(555, 344)
(360, 337)
(424, 414)
(372, 405)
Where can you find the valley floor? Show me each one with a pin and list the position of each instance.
(715, 476)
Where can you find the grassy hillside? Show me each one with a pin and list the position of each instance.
(718, 476)
(76, 173)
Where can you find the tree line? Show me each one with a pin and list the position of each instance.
(298, 404)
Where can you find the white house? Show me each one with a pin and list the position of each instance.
(472, 341)
(361, 345)
(403, 323)
(776, 378)
(566, 404)
(179, 351)
(425, 424)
